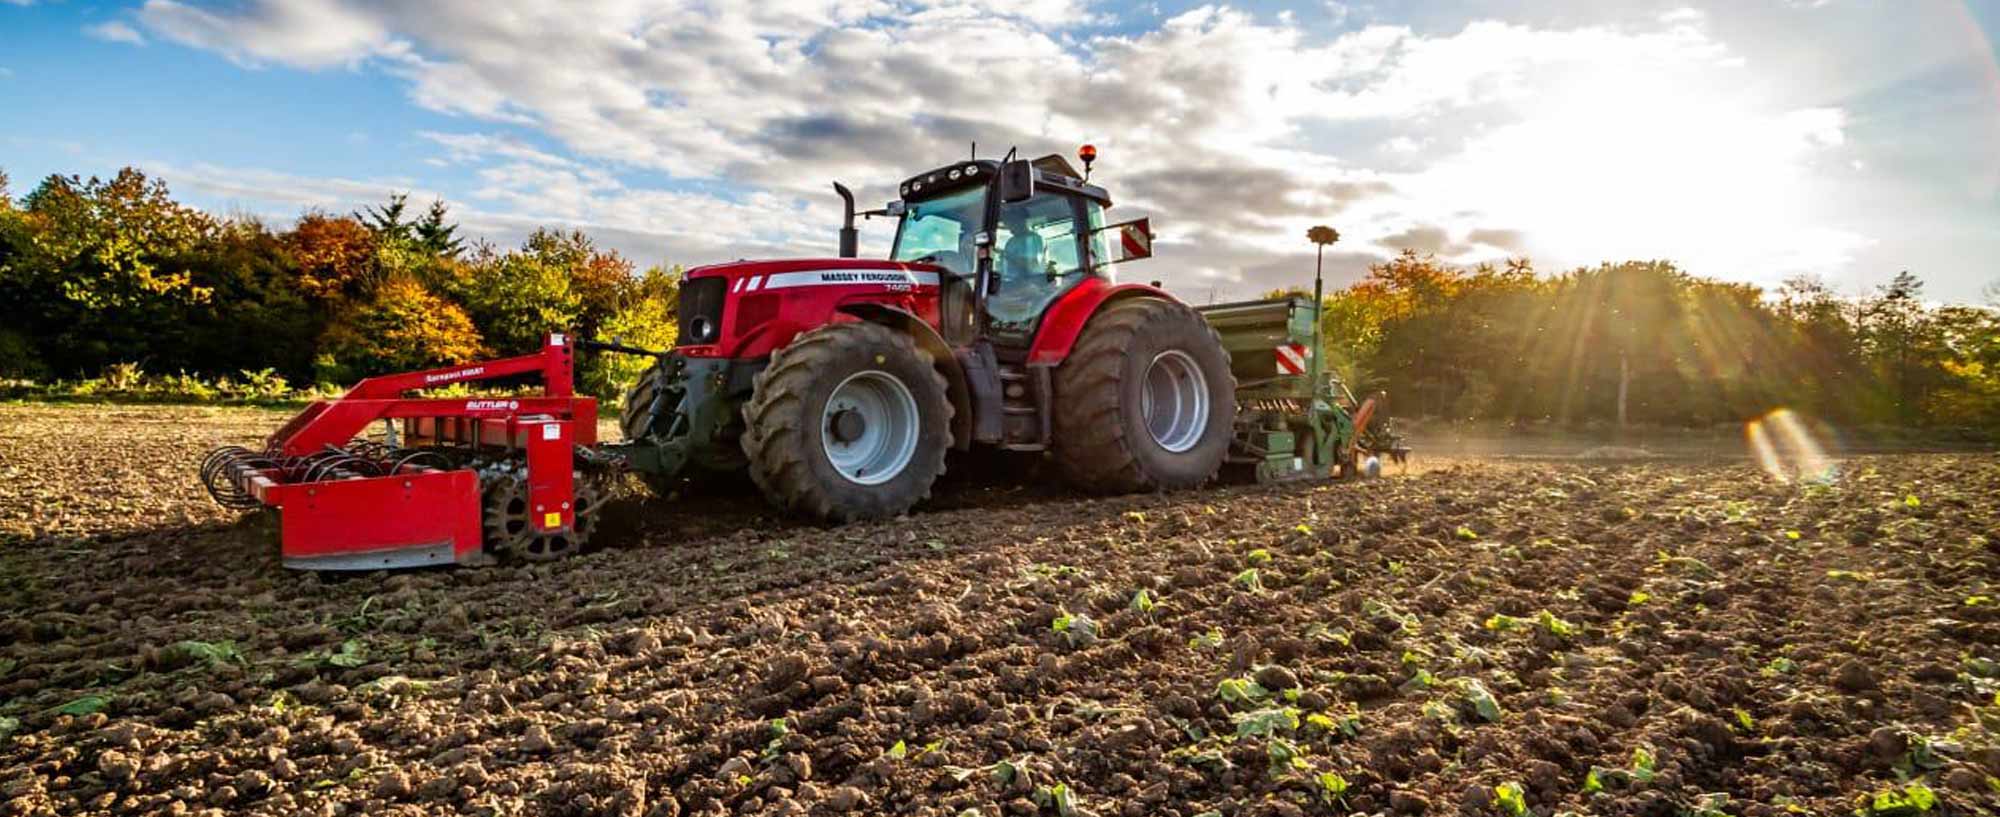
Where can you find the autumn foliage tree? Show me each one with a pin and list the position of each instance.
(115, 272)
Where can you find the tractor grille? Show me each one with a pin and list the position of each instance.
(700, 318)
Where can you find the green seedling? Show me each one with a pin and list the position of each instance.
(1210, 639)
(1248, 580)
(1241, 692)
(776, 745)
(1142, 602)
(1643, 764)
(1922, 757)
(1211, 759)
(1501, 622)
(1057, 796)
(1303, 529)
(1684, 564)
(1407, 623)
(1743, 719)
(209, 653)
(899, 751)
(86, 705)
(1348, 723)
(1780, 666)
(1638, 597)
(1980, 667)
(1593, 782)
(1332, 788)
(1078, 630)
(1510, 799)
(1482, 702)
(1422, 679)
(1258, 558)
(1466, 533)
(393, 686)
(8, 726)
(1331, 635)
(1710, 805)
(1285, 756)
(1912, 799)
(1555, 626)
(1266, 722)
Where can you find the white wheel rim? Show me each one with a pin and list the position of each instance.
(887, 439)
(1175, 401)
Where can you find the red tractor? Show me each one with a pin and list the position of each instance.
(837, 384)
(840, 383)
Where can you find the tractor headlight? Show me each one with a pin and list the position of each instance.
(701, 330)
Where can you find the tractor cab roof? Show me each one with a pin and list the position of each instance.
(1051, 171)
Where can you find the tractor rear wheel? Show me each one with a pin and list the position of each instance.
(1145, 401)
(849, 422)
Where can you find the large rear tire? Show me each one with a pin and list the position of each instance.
(850, 421)
(1145, 401)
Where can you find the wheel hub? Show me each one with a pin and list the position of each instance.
(869, 428)
(847, 425)
(1175, 401)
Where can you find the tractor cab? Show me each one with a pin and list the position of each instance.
(1011, 236)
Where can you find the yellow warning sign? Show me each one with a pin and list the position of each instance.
(552, 519)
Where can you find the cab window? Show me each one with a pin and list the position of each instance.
(940, 230)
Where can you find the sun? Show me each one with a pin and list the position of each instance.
(1646, 162)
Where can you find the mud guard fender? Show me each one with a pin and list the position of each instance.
(928, 339)
(1063, 323)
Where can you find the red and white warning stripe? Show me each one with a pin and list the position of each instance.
(1292, 358)
(834, 277)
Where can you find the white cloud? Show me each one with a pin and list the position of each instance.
(1214, 120)
(302, 33)
(115, 31)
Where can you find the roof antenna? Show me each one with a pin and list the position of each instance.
(975, 151)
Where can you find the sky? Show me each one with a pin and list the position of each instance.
(1747, 140)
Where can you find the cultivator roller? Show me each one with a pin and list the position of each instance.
(453, 481)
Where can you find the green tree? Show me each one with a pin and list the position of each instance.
(110, 243)
(386, 221)
(645, 320)
(436, 234)
(1902, 342)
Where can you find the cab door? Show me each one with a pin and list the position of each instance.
(1037, 255)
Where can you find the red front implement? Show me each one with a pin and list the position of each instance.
(419, 499)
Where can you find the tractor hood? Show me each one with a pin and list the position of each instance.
(748, 308)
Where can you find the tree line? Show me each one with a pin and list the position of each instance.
(1644, 342)
(105, 272)
(97, 273)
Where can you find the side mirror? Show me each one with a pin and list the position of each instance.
(894, 209)
(1017, 181)
(1127, 241)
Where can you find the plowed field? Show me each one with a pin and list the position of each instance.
(1484, 638)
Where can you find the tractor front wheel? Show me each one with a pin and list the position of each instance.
(849, 422)
(1145, 401)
